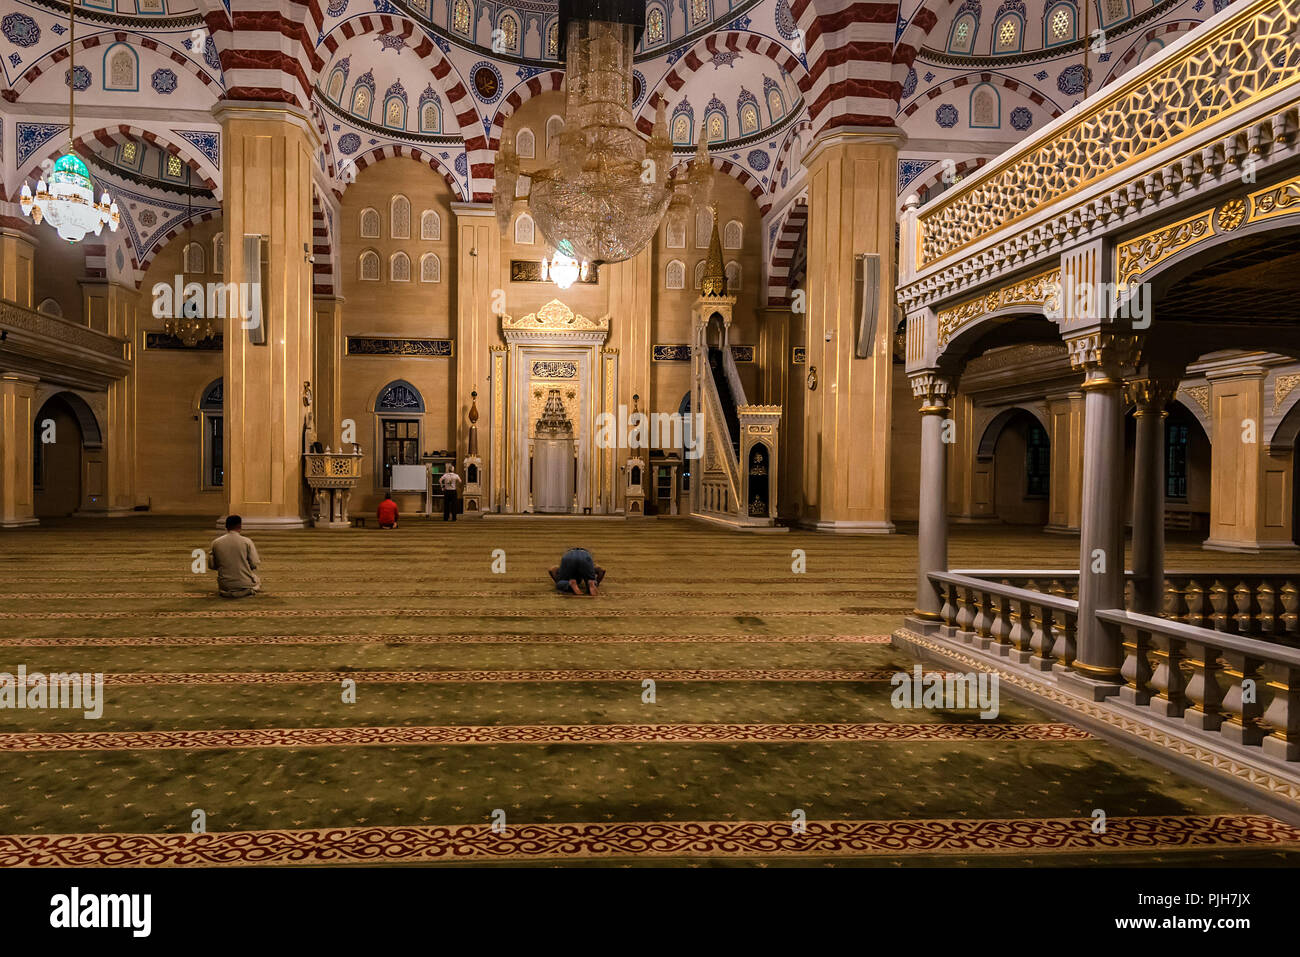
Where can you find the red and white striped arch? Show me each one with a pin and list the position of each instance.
(109, 137)
(106, 39)
(738, 173)
(783, 154)
(370, 157)
(176, 229)
(322, 249)
(932, 177)
(976, 79)
(546, 82)
(788, 237)
(734, 41)
(849, 48)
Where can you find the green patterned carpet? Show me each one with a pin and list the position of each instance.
(485, 697)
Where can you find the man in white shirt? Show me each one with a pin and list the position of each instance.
(450, 483)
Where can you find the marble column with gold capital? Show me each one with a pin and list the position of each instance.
(267, 170)
(852, 179)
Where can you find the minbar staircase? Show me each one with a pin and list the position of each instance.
(737, 484)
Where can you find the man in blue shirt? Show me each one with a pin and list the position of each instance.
(576, 573)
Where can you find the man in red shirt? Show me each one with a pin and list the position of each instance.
(388, 512)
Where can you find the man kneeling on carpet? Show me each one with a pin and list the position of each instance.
(577, 573)
(387, 513)
(234, 558)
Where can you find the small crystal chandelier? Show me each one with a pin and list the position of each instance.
(603, 194)
(68, 202)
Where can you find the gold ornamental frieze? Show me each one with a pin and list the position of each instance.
(1137, 257)
(1042, 290)
(555, 316)
(1210, 79)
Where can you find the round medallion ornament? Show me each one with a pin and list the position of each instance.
(349, 143)
(148, 218)
(20, 30)
(487, 81)
(1231, 215)
(812, 379)
(163, 81)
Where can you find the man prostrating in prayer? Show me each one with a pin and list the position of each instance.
(577, 573)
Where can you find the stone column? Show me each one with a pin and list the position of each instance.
(327, 382)
(480, 299)
(113, 308)
(1065, 432)
(1149, 396)
(1102, 357)
(1249, 483)
(269, 156)
(17, 501)
(932, 531)
(852, 194)
(17, 259)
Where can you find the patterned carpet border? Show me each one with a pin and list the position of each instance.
(537, 675)
(484, 639)
(240, 610)
(624, 591)
(478, 842)
(30, 741)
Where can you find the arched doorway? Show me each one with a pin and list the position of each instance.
(64, 428)
(1018, 451)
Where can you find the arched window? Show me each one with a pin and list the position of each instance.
(219, 254)
(524, 230)
(733, 277)
(699, 11)
(1058, 26)
(733, 235)
(962, 37)
(212, 467)
(554, 127)
(703, 228)
(399, 411)
(699, 274)
(368, 266)
(460, 17)
(399, 267)
(525, 144)
(675, 275)
(522, 185)
(675, 234)
(430, 225)
(717, 127)
(1006, 35)
(50, 307)
(430, 117)
(395, 113)
(985, 107)
(399, 217)
(369, 223)
(509, 33)
(193, 259)
(553, 40)
(121, 68)
(335, 89)
(682, 129)
(362, 100)
(775, 104)
(748, 118)
(654, 26)
(430, 268)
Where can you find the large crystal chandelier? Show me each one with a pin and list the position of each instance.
(68, 202)
(604, 191)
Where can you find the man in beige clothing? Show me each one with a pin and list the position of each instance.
(234, 558)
